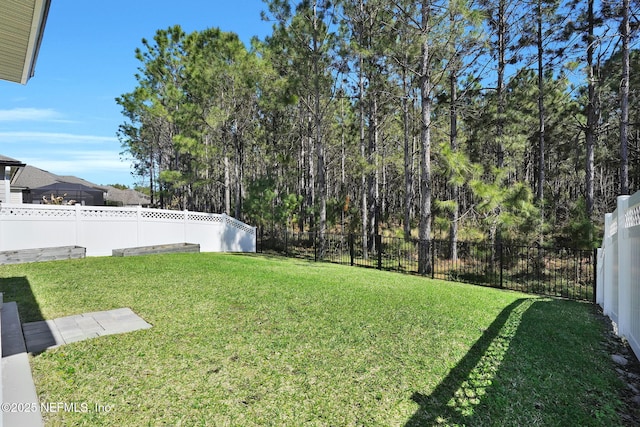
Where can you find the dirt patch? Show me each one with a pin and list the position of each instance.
(628, 369)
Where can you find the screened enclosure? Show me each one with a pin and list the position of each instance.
(65, 193)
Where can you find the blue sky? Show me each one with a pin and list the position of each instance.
(65, 118)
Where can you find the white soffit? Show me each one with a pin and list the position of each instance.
(22, 25)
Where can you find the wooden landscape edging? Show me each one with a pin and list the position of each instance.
(20, 256)
(157, 249)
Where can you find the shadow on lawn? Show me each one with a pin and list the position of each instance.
(455, 398)
(18, 289)
(506, 379)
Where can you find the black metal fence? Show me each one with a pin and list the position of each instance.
(560, 272)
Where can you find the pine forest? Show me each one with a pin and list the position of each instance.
(467, 120)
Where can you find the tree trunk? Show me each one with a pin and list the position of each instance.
(624, 101)
(453, 141)
(227, 185)
(343, 181)
(590, 131)
(424, 232)
(311, 173)
(152, 192)
(239, 175)
(302, 178)
(363, 154)
(372, 162)
(321, 191)
(408, 156)
(541, 122)
(502, 48)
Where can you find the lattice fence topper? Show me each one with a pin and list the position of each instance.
(100, 229)
(203, 217)
(48, 212)
(126, 213)
(164, 215)
(240, 225)
(632, 217)
(108, 213)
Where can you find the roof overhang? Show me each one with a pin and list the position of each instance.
(22, 25)
(12, 165)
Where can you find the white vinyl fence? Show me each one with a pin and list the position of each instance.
(618, 274)
(100, 229)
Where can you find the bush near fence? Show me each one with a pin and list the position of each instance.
(559, 272)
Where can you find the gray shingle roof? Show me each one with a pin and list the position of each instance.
(30, 177)
(8, 161)
(126, 197)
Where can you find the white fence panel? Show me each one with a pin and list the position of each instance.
(162, 226)
(102, 229)
(211, 226)
(237, 234)
(632, 225)
(611, 273)
(600, 277)
(619, 280)
(23, 224)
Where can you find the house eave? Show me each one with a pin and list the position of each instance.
(21, 29)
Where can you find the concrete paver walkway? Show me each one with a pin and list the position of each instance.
(64, 330)
(17, 391)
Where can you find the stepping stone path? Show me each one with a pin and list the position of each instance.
(17, 390)
(64, 330)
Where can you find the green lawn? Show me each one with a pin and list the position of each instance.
(249, 340)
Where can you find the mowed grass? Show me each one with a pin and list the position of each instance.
(249, 340)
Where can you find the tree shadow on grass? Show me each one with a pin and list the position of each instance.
(537, 364)
(455, 397)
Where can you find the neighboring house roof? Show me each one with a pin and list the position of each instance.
(76, 180)
(126, 197)
(21, 28)
(13, 164)
(8, 161)
(30, 177)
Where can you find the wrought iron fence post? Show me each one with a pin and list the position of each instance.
(379, 249)
(432, 247)
(351, 249)
(423, 257)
